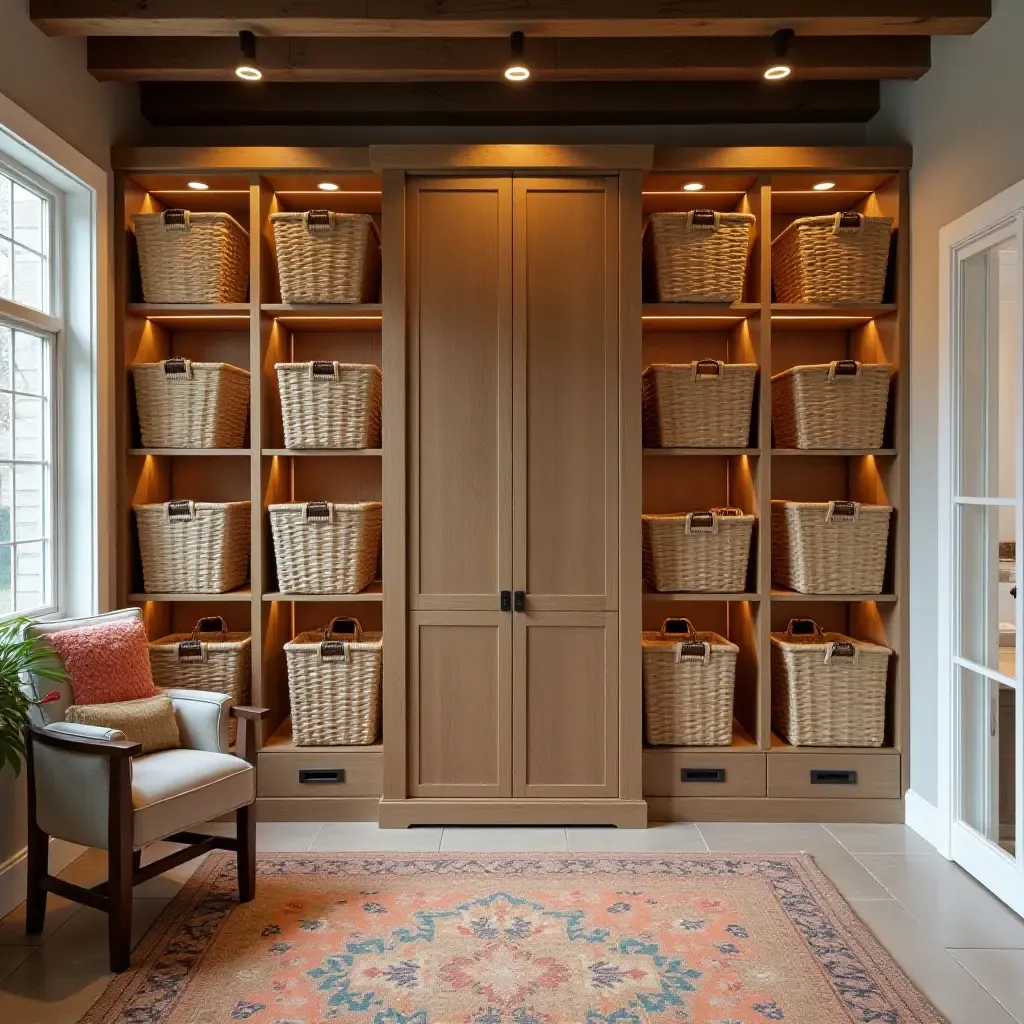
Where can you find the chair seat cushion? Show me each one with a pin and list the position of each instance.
(174, 790)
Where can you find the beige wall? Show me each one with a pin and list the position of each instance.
(965, 122)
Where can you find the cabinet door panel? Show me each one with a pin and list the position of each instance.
(460, 704)
(460, 294)
(565, 399)
(565, 672)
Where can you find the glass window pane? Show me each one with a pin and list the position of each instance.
(29, 503)
(29, 428)
(30, 583)
(6, 270)
(6, 504)
(6, 591)
(5, 206)
(6, 353)
(6, 426)
(29, 278)
(29, 359)
(989, 373)
(987, 615)
(29, 218)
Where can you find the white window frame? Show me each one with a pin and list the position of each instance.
(50, 324)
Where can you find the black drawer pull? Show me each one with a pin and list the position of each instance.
(821, 777)
(321, 775)
(702, 775)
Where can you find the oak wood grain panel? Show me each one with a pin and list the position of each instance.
(745, 773)
(460, 704)
(460, 396)
(687, 808)
(279, 774)
(295, 808)
(878, 775)
(565, 384)
(565, 703)
(429, 811)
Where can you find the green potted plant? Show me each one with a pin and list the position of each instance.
(21, 654)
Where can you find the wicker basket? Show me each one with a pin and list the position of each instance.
(209, 658)
(828, 690)
(334, 684)
(327, 257)
(191, 405)
(193, 547)
(329, 404)
(838, 258)
(325, 548)
(192, 257)
(700, 256)
(698, 551)
(829, 547)
(689, 679)
(831, 405)
(703, 404)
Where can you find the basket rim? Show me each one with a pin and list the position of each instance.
(298, 215)
(655, 639)
(193, 215)
(200, 506)
(793, 370)
(233, 639)
(821, 220)
(823, 505)
(779, 639)
(731, 216)
(652, 367)
(344, 366)
(289, 506)
(374, 643)
(195, 366)
(747, 517)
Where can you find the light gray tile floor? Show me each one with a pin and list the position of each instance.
(955, 940)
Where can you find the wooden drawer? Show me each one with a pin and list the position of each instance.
(321, 774)
(729, 773)
(831, 775)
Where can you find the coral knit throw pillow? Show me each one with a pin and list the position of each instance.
(107, 663)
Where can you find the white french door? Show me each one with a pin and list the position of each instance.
(981, 531)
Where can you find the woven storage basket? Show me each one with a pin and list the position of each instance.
(828, 690)
(838, 258)
(700, 256)
(192, 257)
(334, 684)
(329, 404)
(327, 257)
(191, 405)
(703, 404)
(193, 547)
(831, 405)
(698, 551)
(829, 547)
(209, 658)
(689, 679)
(325, 548)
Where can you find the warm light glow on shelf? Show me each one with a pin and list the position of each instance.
(198, 316)
(704, 192)
(317, 191)
(696, 316)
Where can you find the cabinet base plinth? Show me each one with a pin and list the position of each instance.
(298, 808)
(427, 811)
(680, 808)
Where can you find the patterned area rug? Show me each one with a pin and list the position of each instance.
(505, 939)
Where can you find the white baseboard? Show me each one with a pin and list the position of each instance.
(923, 818)
(13, 872)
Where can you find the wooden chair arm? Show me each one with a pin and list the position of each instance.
(249, 713)
(247, 731)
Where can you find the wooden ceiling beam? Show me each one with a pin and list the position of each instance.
(496, 104)
(552, 18)
(316, 59)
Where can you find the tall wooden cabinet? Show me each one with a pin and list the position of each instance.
(513, 487)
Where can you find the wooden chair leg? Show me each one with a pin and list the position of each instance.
(245, 818)
(120, 860)
(38, 864)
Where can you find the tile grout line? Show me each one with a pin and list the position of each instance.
(703, 838)
(312, 839)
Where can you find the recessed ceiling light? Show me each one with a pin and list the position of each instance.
(694, 186)
(824, 186)
(517, 71)
(327, 186)
(199, 186)
(777, 72)
(247, 69)
(780, 44)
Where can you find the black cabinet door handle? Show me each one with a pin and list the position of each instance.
(833, 777)
(506, 600)
(520, 601)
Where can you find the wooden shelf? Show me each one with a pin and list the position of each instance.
(372, 593)
(697, 316)
(780, 594)
(834, 452)
(244, 594)
(195, 316)
(202, 452)
(281, 742)
(325, 318)
(323, 452)
(691, 452)
(793, 316)
(656, 595)
(780, 746)
(742, 742)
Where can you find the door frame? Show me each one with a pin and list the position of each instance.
(1001, 216)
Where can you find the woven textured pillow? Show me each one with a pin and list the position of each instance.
(106, 663)
(149, 721)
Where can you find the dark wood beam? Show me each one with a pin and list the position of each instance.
(553, 18)
(498, 103)
(316, 59)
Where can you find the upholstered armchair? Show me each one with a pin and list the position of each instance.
(91, 786)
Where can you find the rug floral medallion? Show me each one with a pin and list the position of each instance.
(500, 939)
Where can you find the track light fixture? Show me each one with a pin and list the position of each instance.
(780, 68)
(247, 69)
(517, 71)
